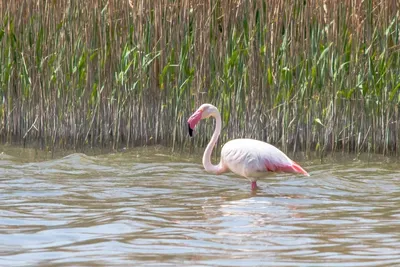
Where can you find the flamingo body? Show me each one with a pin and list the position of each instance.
(249, 158)
(254, 159)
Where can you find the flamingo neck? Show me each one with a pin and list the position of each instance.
(208, 166)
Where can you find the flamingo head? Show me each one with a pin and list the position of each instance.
(203, 112)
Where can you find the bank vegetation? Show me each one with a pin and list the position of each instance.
(306, 76)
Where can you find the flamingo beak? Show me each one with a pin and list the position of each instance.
(193, 120)
(190, 130)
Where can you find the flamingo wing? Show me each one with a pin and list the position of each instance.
(252, 159)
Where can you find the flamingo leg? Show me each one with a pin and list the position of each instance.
(254, 185)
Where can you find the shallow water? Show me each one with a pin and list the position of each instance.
(151, 208)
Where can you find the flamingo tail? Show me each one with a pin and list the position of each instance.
(297, 168)
(294, 168)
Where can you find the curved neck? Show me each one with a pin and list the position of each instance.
(208, 166)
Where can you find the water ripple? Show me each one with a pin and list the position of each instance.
(160, 210)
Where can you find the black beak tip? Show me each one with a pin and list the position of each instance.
(190, 130)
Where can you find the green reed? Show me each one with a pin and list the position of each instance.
(306, 76)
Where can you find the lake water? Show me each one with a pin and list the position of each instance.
(152, 208)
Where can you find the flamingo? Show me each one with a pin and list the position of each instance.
(249, 158)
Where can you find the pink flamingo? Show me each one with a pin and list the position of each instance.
(246, 157)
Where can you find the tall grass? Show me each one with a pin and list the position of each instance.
(304, 75)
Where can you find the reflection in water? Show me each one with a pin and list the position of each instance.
(146, 208)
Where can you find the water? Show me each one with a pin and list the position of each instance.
(151, 208)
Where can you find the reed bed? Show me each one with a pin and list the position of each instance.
(306, 76)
